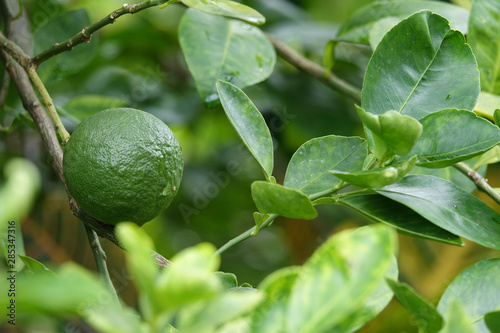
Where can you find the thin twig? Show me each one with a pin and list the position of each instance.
(60, 129)
(86, 34)
(100, 260)
(247, 234)
(315, 70)
(45, 127)
(481, 182)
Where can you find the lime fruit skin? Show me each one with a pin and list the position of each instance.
(123, 165)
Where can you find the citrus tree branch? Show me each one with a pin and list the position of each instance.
(315, 70)
(86, 34)
(481, 182)
(31, 103)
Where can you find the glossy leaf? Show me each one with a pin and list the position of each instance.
(248, 123)
(270, 316)
(476, 288)
(207, 316)
(378, 177)
(456, 320)
(189, 279)
(466, 136)
(425, 315)
(492, 321)
(227, 8)
(443, 75)
(405, 220)
(449, 207)
(342, 275)
(216, 48)
(487, 104)
(308, 170)
(276, 199)
(357, 27)
(483, 35)
(392, 132)
(61, 28)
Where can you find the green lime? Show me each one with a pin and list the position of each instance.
(123, 165)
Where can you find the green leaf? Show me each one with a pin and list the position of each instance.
(228, 280)
(33, 264)
(357, 27)
(141, 263)
(466, 136)
(496, 117)
(339, 278)
(425, 315)
(456, 320)
(490, 157)
(227, 8)
(190, 278)
(61, 28)
(406, 221)
(392, 132)
(483, 35)
(487, 104)
(276, 199)
(308, 170)
(492, 321)
(380, 28)
(270, 315)
(249, 124)
(84, 106)
(447, 206)
(476, 288)
(378, 177)
(216, 48)
(424, 67)
(206, 316)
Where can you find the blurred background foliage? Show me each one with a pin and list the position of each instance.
(137, 62)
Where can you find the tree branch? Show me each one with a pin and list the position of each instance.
(86, 34)
(481, 182)
(32, 104)
(315, 70)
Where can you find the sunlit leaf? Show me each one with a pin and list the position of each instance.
(456, 319)
(487, 104)
(341, 275)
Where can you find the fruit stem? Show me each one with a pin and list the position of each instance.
(100, 260)
(61, 130)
